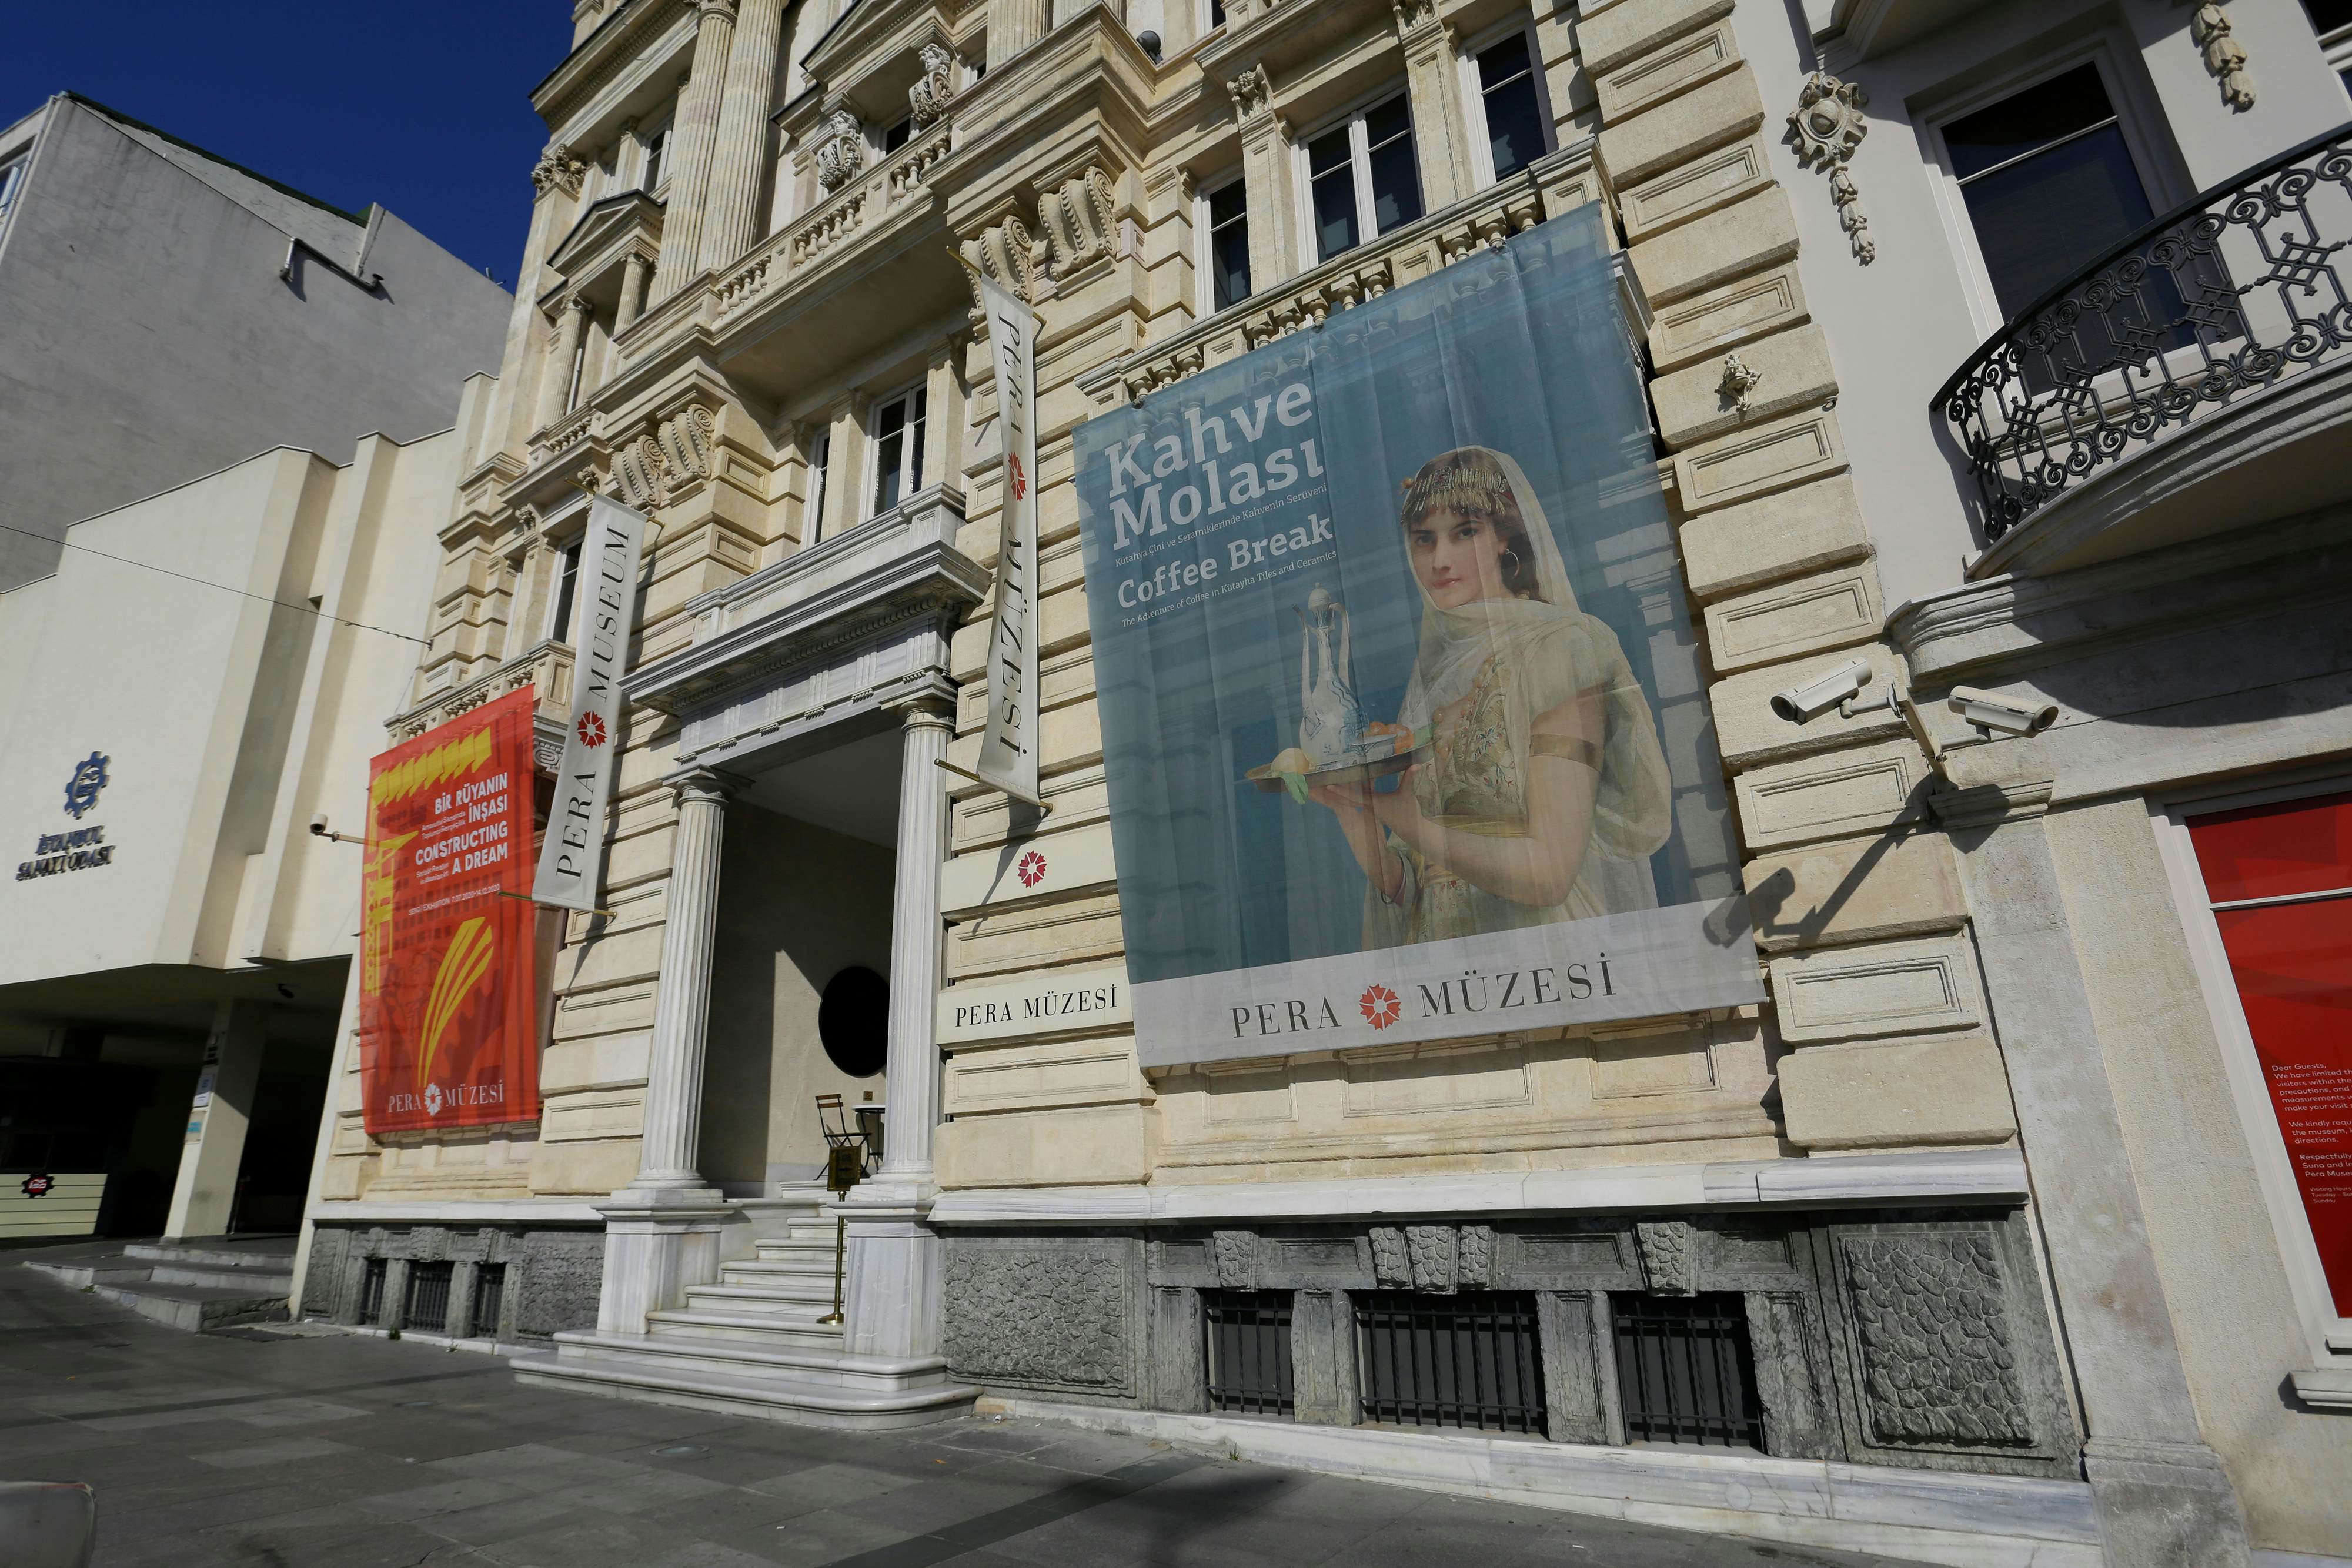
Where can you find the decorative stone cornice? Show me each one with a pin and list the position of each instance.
(558, 169)
(1824, 129)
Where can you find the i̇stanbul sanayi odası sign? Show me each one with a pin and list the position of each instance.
(1401, 705)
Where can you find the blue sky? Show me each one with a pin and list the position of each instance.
(420, 105)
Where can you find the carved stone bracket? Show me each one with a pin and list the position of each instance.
(2210, 29)
(1009, 253)
(665, 457)
(1080, 218)
(840, 152)
(1251, 92)
(1824, 129)
(1236, 1252)
(935, 88)
(1669, 1249)
(1740, 380)
(558, 169)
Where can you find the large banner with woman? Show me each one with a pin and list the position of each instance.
(1402, 710)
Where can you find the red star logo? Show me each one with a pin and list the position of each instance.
(1014, 477)
(1032, 869)
(1380, 1006)
(592, 730)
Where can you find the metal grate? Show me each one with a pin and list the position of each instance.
(1470, 1360)
(372, 1290)
(1249, 1351)
(489, 1299)
(1685, 1372)
(427, 1306)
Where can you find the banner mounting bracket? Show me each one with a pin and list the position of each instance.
(1045, 808)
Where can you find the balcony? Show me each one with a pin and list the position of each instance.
(546, 667)
(2195, 379)
(1550, 185)
(843, 276)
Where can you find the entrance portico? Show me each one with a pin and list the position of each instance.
(813, 690)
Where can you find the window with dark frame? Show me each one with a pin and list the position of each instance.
(371, 1278)
(489, 1300)
(1470, 1361)
(1247, 1360)
(1363, 177)
(820, 466)
(427, 1306)
(1228, 264)
(2332, 20)
(656, 145)
(1216, 14)
(895, 137)
(567, 590)
(1685, 1370)
(1513, 107)
(897, 449)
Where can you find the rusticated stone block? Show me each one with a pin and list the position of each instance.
(1774, 537)
(1041, 1316)
(1747, 236)
(1792, 370)
(1833, 609)
(1679, 129)
(1905, 1094)
(1609, 36)
(1931, 1317)
(1854, 890)
(1716, 320)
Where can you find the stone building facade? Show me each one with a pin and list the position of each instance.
(1986, 1211)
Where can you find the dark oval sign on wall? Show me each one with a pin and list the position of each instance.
(853, 1020)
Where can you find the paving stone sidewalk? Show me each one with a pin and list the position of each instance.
(334, 1451)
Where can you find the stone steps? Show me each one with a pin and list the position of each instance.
(714, 1320)
(810, 1384)
(192, 1286)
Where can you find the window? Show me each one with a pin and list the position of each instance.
(1685, 1371)
(1511, 99)
(2048, 183)
(1248, 1359)
(1216, 13)
(489, 1299)
(2331, 19)
(1469, 1360)
(2278, 879)
(567, 589)
(1226, 219)
(895, 137)
(371, 1278)
(897, 450)
(656, 145)
(1362, 177)
(12, 176)
(820, 466)
(427, 1306)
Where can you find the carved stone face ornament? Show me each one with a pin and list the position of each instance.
(840, 152)
(1824, 129)
(929, 95)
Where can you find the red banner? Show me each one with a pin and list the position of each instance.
(448, 981)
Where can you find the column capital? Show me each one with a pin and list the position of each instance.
(725, 8)
(928, 713)
(711, 784)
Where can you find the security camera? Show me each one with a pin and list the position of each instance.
(1799, 704)
(1988, 713)
(318, 824)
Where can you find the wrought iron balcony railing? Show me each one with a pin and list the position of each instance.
(2237, 289)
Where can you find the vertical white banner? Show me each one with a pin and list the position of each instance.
(571, 861)
(1008, 749)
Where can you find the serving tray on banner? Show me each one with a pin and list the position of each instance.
(1269, 779)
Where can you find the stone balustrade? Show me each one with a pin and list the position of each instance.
(546, 667)
(834, 223)
(1553, 184)
(563, 435)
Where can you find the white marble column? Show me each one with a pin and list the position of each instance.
(2161, 1496)
(673, 1117)
(555, 390)
(739, 162)
(633, 292)
(916, 943)
(894, 1269)
(693, 141)
(666, 1231)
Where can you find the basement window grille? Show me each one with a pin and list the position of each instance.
(372, 1290)
(1468, 1361)
(489, 1299)
(1685, 1371)
(1249, 1351)
(427, 1306)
